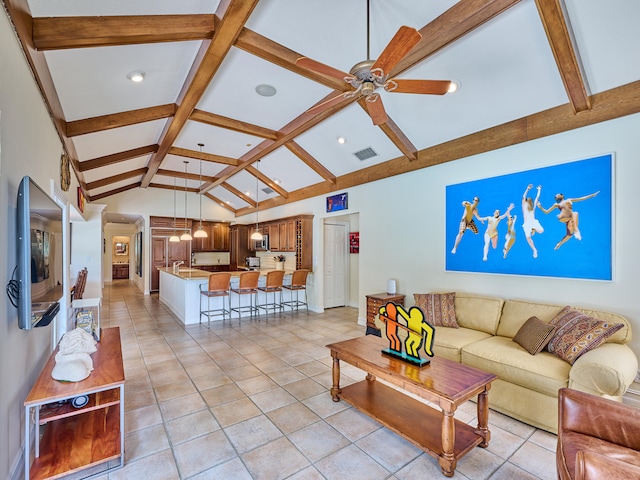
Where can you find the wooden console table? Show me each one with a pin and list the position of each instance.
(446, 383)
(75, 439)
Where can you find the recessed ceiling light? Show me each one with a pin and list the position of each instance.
(342, 140)
(276, 181)
(266, 90)
(453, 87)
(136, 76)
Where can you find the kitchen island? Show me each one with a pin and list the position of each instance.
(180, 292)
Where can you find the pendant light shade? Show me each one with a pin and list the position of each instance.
(186, 236)
(200, 233)
(174, 237)
(256, 235)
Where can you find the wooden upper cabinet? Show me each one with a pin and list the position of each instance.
(219, 237)
(201, 244)
(274, 237)
(178, 251)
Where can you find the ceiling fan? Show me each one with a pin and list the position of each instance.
(369, 75)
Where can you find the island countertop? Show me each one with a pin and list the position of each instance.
(196, 274)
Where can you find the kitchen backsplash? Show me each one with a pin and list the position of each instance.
(267, 262)
(210, 258)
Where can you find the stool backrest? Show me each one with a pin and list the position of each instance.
(219, 281)
(249, 279)
(274, 278)
(299, 278)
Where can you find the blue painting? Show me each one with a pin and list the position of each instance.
(553, 222)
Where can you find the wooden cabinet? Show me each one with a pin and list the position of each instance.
(376, 300)
(304, 242)
(120, 271)
(288, 235)
(178, 252)
(158, 259)
(201, 244)
(70, 439)
(274, 237)
(239, 245)
(219, 237)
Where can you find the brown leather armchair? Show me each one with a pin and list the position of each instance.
(597, 438)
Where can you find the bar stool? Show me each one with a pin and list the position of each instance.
(298, 283)
(218, 286)
(248, 285)
(272, 285)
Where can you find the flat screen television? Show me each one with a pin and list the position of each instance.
(39, 270)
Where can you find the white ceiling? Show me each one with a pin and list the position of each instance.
(505, 67)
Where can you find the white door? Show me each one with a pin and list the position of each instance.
(336, 261)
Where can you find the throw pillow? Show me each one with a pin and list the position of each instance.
(577, 333)
(438, 308)
(534, 335)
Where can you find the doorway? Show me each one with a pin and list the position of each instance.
(336, 263)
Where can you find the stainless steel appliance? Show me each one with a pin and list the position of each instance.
(252, 263)
(261, 244)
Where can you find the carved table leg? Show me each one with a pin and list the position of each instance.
(447, 461)
(335, 389)
(483, 419)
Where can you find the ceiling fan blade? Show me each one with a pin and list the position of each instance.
(402, 42)
(376, 110)
(310, 64)
(431, 87)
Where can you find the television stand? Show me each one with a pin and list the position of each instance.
(76, 439)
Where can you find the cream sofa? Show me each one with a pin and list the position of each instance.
(527, 385)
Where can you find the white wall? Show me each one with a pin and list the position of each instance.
(30, 146)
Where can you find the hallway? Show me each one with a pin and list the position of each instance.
(250, 400)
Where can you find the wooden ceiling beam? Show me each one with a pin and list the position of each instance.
(116, 178)
(232, 124)
(231, 16)
(239, 194)
(267, 181)
(55, 33)
(117, 120)
(311, 162)
(116, 158)
(459, 20)
(273, 52)
(220, 202)
(171, 187)
(188, 176)
(93, 198)
(564, 51)
(207, 157)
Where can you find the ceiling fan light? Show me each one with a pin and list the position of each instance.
(453, 87)
(256, 235)
(200, 233)
(174, 238)
(186, 237)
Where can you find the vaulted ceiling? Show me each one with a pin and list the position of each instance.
(525, 69)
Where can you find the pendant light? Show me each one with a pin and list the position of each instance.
(186, 235)
(174, 237)
(200, 233)
(256, 235)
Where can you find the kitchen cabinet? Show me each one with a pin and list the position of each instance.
(120, 271)
(304, 241)
(274, 237)
(69, 439)
(219, 237)
(202, 244)
(239, 245)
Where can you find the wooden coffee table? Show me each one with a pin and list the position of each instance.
(443, 382)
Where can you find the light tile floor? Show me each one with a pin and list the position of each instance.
(250, 400)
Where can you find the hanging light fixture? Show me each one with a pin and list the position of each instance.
(200, 233)
(256, 235)
(186, 235)
(174, 237)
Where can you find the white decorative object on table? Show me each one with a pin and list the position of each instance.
(73, 360)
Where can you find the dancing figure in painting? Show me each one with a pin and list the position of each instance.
(467, 221)
(491, 234)
(510, 237)
(567, 215)
(530, 224)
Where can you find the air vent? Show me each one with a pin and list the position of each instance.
(365, 154)
(267, 190)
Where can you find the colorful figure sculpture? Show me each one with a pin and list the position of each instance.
(419, 332)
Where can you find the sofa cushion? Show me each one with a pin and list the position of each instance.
(438, 308)
(544, 373)
(447, 342)
(478, 312)
(516, 312)
(534, 335)
(578, 333)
